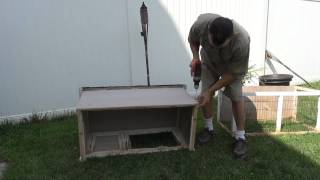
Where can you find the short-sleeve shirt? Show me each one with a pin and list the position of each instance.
(233, 58)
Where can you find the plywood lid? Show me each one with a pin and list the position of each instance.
(134, 97)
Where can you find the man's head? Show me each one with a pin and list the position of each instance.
(220, 30)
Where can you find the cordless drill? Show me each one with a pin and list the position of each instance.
(197, 75)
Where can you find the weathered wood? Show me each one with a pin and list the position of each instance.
(178, 136)
(261, 108)
(193, 128)
(300, 88)
(134, 151)
(135, 131)
(281, 90)
(123, 139)
(279, 114)
(219, 106)
(123, 136)
(111, 115)
(104, 99)
(132, 87)
(92, 142)
(82, 135)
(225, 128)
(280, 133)
(268, 133)
(265, 107)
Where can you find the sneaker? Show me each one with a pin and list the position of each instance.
(240, 148)
(205, 136)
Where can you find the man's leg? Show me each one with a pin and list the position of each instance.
(238, 113)
(207, 79)
(240, 146)
(234, 92)
(207, 133)
(207, 113)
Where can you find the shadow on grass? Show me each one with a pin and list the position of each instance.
(50, 150)
(43, 149)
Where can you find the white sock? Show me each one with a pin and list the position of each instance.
(209, 124)
(240, 135)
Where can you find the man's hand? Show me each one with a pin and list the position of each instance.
(193, 65)
(205, 98)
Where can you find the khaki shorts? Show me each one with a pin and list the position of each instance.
(208, 78)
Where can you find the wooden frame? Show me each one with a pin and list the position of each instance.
(298, 91)
(124, 138)
(181, 113)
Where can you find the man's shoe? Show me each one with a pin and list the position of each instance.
(205, 136)
(240, 148)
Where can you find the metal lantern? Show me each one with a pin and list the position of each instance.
(144, 14)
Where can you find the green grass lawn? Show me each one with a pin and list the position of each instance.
(50, 150)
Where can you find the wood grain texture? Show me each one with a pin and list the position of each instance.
(82, 143)
(193, 128)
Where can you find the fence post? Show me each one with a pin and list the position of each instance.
(318, 116)
(279, 113)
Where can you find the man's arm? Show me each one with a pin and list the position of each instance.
(226, 79)
(195, 53)
(195, 50)
(194, 40)
(237, 66)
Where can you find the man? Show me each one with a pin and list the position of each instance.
(224, 62)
